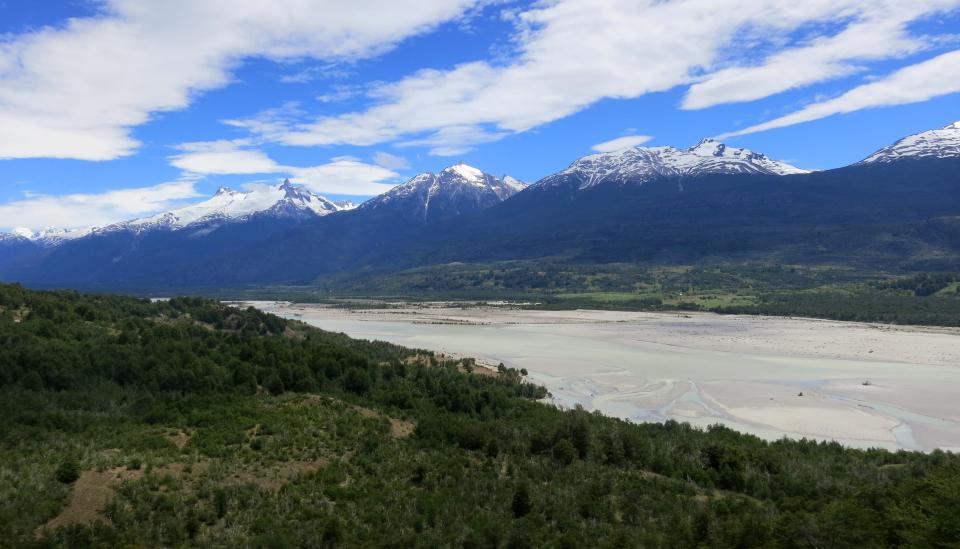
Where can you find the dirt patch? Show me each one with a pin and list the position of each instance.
(179, 438)
(280, 474)
(295, 335)
(19, 315)
(465, 365)
(90, 496)
(181, 469)
(315, 400)
(399, 428)
(426, 360)
(480, 369)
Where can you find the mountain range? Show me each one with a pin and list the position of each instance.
(897, 209)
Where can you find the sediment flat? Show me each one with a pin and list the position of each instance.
(864, 385)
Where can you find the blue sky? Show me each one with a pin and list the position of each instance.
(114, 109)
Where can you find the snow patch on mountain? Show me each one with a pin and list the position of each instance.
(455, 189)
(513, 183)
(47, 237)
(641, 164)
(465, 172)
(227, 205)
(283, 200)
(941, 143)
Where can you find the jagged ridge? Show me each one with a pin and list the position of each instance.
(642, 164)
(455, 190)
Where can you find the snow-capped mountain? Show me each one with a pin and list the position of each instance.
(45, 238)
(455, 190)
(942, 143)
(642, 164)
(228, 205)
(346, 204)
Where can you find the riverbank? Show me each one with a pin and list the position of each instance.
(865, 385)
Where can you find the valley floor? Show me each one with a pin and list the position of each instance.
(865, 385)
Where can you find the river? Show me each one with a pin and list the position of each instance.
(861, 385)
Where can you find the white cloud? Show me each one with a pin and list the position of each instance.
(75, 91)
(931, 78)
(571, 54)
(345, 176)
(619, 143)
(342, 175)
(454, 140)
(390, 161)
(88, 210)
(339, 93)
(223, 157)
(881, 33)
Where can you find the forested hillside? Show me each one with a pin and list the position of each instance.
(900, 217)
(190, 423)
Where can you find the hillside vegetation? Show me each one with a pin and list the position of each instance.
(190, 423)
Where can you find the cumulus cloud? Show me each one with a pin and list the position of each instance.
(76, 90)
(571, 54)
(92, 210)
(919, 82)
(619, 143)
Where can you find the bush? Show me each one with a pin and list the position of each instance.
(521, 505)
(68, 471)
(274, 384)
(564, 452)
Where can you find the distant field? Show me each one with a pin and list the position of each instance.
(817, 291)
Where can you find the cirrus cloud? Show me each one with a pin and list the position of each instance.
(81, 210)
(619, 143)
(572, 54)
(919, 82)
(77, 90)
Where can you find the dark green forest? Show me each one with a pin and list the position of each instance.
(185, 422)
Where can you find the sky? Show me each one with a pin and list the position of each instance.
(117, 109)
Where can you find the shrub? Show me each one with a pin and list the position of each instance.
(68, 471)
(521, 505)
(564, 452)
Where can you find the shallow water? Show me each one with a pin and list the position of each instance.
(602, 366)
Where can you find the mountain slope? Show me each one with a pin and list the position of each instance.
(227, 204)
(708, 203)
(638, 165)
(899, 215)
(380, 232)
(163, 250)
(454, 191)
(289, 232)
(941, 143)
